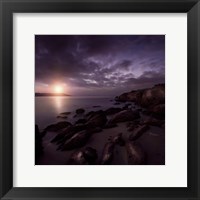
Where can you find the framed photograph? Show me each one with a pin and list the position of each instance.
(99, 99)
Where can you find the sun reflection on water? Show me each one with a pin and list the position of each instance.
(58, 103)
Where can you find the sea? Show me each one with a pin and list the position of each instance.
(47, 109)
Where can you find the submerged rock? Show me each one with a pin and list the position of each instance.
(80, 111)
(108, 152)
(135, 154)
(125, 115)
(58, 126)
(96, 106)
(65, 113)
(62, 117)
(138, 132)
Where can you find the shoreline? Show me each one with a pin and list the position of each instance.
(104, 136)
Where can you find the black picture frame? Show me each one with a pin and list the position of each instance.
(8, 7)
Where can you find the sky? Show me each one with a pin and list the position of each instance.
(102, 65)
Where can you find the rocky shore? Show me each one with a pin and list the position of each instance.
(131, 133)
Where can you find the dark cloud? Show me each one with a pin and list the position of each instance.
(99, 64)
(147, 78)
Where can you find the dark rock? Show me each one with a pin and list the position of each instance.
(110, 138)
(121, 98)
(80, 111)
(135, 154)
(90, 113)
(125, 115)
(111, 111)
(81, 121)
(77, 140)
(145, 97)
(78, 127)
(90, 155)
(116, 103)
(153, 96)
(146, 112)
(77, 158)
(94, 130)
(133, 125)
(38, 144)
(126, 106)
(97, 119)
(118, 139)
(154, 122)
(110, 125)
(84, 157)
(58, 126)
(65, 113)
(62, 134)
(67, 133)
(108, 152)
(138, 132)
(43, 133)
(134, 96)
(158, 111)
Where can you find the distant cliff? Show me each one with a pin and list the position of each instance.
(153, 99)
(50, 94)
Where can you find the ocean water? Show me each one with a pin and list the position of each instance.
(48, 108)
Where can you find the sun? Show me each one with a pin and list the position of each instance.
(58, 89)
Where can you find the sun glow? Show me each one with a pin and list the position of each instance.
(58, 89)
